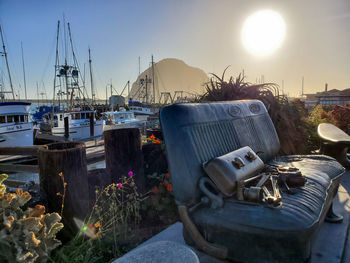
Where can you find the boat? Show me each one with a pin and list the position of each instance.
(121, 119)
(40, 113)
(79, 124)
(140, 110)
(15, 127)
(74, 104)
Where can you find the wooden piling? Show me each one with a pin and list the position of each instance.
(123, 153)
(92, 125)
(66, 127)
(70, 159)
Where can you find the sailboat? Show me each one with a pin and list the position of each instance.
(15, 127)
(78, 112)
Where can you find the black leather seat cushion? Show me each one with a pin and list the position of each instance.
(282, 234)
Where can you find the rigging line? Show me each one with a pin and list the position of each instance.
(99, 77)
(124, 87)
(157, 75)
(7, 64)
(77, 66)
(161, 80)
(138, 92)
(51, 51)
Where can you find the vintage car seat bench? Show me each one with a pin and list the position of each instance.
(196, 133)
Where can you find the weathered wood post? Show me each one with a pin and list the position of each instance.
(66, 127)
(70, 159)
(92, 125)
(123, 153)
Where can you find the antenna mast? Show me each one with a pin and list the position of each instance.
(154, 92)
(146, 90)
(302, 86)
(7, 63)
(138, 77)
(91, 80)
(24, 73)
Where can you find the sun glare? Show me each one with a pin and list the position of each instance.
(263, 32)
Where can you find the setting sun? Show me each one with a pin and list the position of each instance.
(263, 32)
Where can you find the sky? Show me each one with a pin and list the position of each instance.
(203, 33)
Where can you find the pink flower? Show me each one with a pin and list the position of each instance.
(119, 185)
(130, 173)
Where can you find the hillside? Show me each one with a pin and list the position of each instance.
(170, 75)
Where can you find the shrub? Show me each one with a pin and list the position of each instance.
(320, 114)
(288, 118)
(161, 206)
(25, 236)
(340, 116)
(110, 230)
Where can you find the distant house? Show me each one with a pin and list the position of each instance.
(329, 97)
(334, 97)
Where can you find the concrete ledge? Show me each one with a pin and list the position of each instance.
(159, 252)
(332, 243)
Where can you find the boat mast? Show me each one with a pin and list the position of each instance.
(91, 80)
(56, 67)
(154, 93)
(75, 74)
(37, 92)
(112, 106)
(146, 90)
(7, 63)
(24, 73)
(66, 82)
(138, 76)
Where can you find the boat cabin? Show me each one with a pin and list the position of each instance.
(79, 116)
(14, 112)
(119, 115)
(139, 108)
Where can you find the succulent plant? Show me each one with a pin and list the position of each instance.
(25, 236)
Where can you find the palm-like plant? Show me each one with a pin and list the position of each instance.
(286, 116)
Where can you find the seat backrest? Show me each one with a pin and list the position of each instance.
(196, 133)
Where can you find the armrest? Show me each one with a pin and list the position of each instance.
(336, 143)
(330, 133)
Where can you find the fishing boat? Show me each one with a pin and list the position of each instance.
(121, 119)
(140, 110)
(15, 128)
(79, 124)
(40, 113)
(76, 117)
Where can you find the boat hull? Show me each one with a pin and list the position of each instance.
(16, 135)
(79, 131)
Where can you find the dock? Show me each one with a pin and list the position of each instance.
(24, 159)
